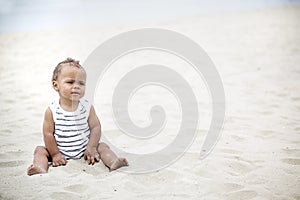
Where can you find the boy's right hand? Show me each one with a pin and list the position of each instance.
(58, 160)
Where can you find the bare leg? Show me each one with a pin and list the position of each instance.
(109, 158)
(40, 161)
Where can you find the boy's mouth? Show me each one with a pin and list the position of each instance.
(75, 93)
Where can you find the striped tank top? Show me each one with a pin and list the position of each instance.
(71, 129)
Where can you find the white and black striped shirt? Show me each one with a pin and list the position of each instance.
(71, 129)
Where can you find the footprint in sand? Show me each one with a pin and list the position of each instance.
(65, 195)
(266, 133)
(237, 138)
(240, 167)
(230, 187)
(77, 188)
(6, 132)
(291, 161)
(12, 163)
(231, 151)
(293, 152)
(244, 194)
(11, 154)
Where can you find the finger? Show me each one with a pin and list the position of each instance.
(64, 162)
(92, 160)
(89, 159)
(85, 157)
(97, 157)
(60, 163)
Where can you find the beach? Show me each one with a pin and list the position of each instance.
(257, 55)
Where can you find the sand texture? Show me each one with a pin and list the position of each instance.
(257, 54)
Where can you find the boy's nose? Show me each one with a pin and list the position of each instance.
(76, 85)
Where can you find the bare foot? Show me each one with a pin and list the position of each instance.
(120, 162)
(34, 169)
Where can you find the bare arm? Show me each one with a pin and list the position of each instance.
(50, 142)
(91, 153)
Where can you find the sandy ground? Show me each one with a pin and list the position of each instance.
(257, 54)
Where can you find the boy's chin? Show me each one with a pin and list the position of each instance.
(76, 98)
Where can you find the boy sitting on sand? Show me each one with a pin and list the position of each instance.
(71, 127)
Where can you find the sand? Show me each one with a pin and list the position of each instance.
(257, 54)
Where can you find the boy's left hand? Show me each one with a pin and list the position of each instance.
(91, 155)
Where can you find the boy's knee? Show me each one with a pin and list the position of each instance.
(103, 145)
(40, 150)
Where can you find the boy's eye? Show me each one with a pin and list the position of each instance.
(82, 83)
(70, 82)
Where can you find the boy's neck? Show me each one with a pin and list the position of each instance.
(69, 106)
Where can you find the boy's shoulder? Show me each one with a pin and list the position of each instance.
(84, 107)
(54, 104)
(85, 102)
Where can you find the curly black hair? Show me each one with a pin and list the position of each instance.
(60, 65)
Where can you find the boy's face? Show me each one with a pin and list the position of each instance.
(70, 83)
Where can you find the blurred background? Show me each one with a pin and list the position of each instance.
(32, 15)
(255, 46)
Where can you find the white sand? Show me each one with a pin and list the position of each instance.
(257, 54)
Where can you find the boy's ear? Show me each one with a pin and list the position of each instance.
(55, 85)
